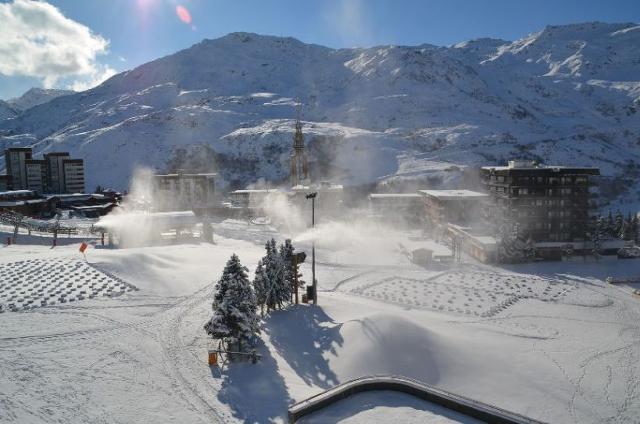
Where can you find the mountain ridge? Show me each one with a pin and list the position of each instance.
(380, 114)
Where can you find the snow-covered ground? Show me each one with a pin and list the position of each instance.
(386, 406)
(551, 341)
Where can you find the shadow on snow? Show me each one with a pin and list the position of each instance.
(256, 393)
(301, 335)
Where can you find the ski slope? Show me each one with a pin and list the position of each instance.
(566, 351)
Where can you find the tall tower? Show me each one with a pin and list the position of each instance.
(299, 161)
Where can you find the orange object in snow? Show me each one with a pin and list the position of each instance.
(83, 247)
(213, 358)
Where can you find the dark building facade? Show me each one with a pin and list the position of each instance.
(15, 160)
(548, 203)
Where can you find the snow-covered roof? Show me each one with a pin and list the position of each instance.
(16, 193)
(182, 175)
(453, 194)
(541, 167)
(255, 191)
(318, 187)
(393, 195)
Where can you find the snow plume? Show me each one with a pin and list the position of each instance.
(351, 22)
(362, 242)
(287, 215)
(133, 225)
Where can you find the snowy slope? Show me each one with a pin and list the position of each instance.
(568, 94)
(36, 96)
(6, 110)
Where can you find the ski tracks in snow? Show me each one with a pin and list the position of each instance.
(187, 369)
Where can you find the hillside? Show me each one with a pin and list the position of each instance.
(567, 94)
(36, 96)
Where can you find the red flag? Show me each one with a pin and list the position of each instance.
(83, 247)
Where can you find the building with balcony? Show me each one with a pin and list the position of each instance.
(15, 159)
(73, 175)
(36, 175)
(548, 203)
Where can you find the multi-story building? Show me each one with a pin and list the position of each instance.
(55, 171)
(460, 207)
(36, 175)
(73, 175)
(397, 207)
(548, 203)
(15, 159)
(180, 192)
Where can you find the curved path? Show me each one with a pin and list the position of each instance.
(469, 407)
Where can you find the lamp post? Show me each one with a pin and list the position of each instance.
(312, 196)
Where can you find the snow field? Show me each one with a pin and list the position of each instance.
(34, 283)
(476, 293)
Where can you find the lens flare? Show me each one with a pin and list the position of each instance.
(183, 14)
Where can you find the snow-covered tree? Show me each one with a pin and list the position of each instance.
(618, 225)
(260, 286)
(273, 273)
(234, 319)
(609, 226)
(530, 249)
(635, 229)
(511, 248)
(598, 233)
(288, 271)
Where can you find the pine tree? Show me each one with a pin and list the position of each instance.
(609, 226)
(288, 270)
(635, 229)
(260, 287)
(511, 248)
(618, 225)
(597, 234)
(625, 232)
(234, 306)
(273, 273)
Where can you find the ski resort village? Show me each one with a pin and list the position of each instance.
(259, 230)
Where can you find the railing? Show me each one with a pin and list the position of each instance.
(19, 221)
(465, 406)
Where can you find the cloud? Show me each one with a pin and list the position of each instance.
(37, 40)
(96, 78)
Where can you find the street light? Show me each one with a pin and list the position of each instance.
(312, 196)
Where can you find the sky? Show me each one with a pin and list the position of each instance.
(76, 44)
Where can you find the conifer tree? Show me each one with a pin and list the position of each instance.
(273, 273)
(234, 306)
(260, 287)
(598, 233)
(288, 271)
(608, 226)
(618, 225)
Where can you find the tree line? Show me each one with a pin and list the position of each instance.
(235, 320)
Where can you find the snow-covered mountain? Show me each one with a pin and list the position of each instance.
(7, 111)
(564, 95)
(36, 96)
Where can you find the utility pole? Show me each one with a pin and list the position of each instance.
(312, 196)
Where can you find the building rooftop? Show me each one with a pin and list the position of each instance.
(185, 175)
(256, 191)
(318, 187)
(394, 195)
(530, 166)
(16, 193)
(453, 194)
